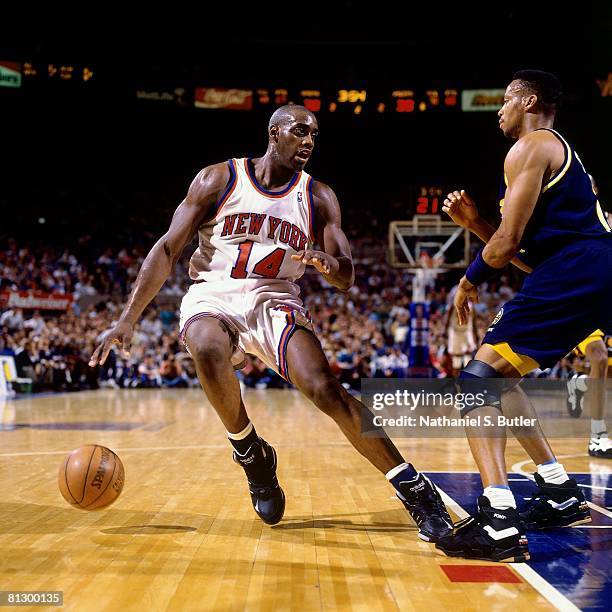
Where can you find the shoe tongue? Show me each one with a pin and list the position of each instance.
(484, 503)
(484, 506)
(539, 480)
(248, 451)
(254, 454)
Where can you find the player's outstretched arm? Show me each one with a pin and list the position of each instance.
(334, 261)
(159, 263)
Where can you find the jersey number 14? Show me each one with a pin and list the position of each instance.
(268, 267)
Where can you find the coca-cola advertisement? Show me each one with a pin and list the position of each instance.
(229, 99)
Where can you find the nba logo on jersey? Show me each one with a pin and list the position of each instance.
(299, 197)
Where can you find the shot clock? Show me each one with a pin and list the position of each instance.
(428, 200)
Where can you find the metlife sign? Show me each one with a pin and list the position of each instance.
(10, 74)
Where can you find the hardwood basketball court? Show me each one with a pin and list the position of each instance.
(183, 535)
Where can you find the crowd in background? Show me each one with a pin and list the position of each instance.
(364, 332)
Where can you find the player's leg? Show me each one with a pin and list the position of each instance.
(211, 346)
(597, 355)
(576, 388)
(488, 443)
(554, 484)
(309, 370)
(516, 403)
(577, 382)
(496, 532)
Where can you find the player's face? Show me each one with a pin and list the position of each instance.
(296, 141)
(512, 112)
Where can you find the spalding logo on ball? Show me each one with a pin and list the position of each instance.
(91, 477)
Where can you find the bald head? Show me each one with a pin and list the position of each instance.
(289, 113)
(292, 132)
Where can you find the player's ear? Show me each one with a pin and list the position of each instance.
(529, 102)
(273, 133)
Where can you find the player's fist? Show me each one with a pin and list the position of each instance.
(460, 207)
(324, 263)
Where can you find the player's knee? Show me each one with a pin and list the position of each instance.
(210, 354)
(482, 381)
(326, 393)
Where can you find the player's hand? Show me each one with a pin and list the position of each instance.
(120, 334)
(466, 292)
(460, 207)
(324, 263)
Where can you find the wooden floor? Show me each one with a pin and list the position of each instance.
(183, 535)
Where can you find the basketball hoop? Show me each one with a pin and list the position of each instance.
(426, 241)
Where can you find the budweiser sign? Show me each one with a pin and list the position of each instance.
(35, 300)
(230, 99)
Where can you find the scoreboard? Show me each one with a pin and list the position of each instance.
(358, 101)
(409, 101)
(341, 98)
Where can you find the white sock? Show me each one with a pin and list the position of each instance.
(553, 473)
(398, 469)
(597, 427)
(241, 435)
(500, 497)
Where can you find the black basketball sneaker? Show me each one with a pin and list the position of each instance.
(267, 497)
(555, 505)
(426, 508)
(490, 535)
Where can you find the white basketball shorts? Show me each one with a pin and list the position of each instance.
(460, 341)
(261, 315)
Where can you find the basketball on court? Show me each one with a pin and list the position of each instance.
(91, 477)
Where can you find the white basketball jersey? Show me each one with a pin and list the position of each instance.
(255, 231)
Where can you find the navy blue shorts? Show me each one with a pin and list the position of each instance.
(561, 302)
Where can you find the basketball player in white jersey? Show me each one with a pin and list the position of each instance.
(461, 339)
(258, 220)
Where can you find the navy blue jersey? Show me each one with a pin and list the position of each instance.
(560, 303)
(566, 212)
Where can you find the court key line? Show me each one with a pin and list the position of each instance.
(542, 586)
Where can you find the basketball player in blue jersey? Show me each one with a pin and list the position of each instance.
(552, 227)
(258, 220)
